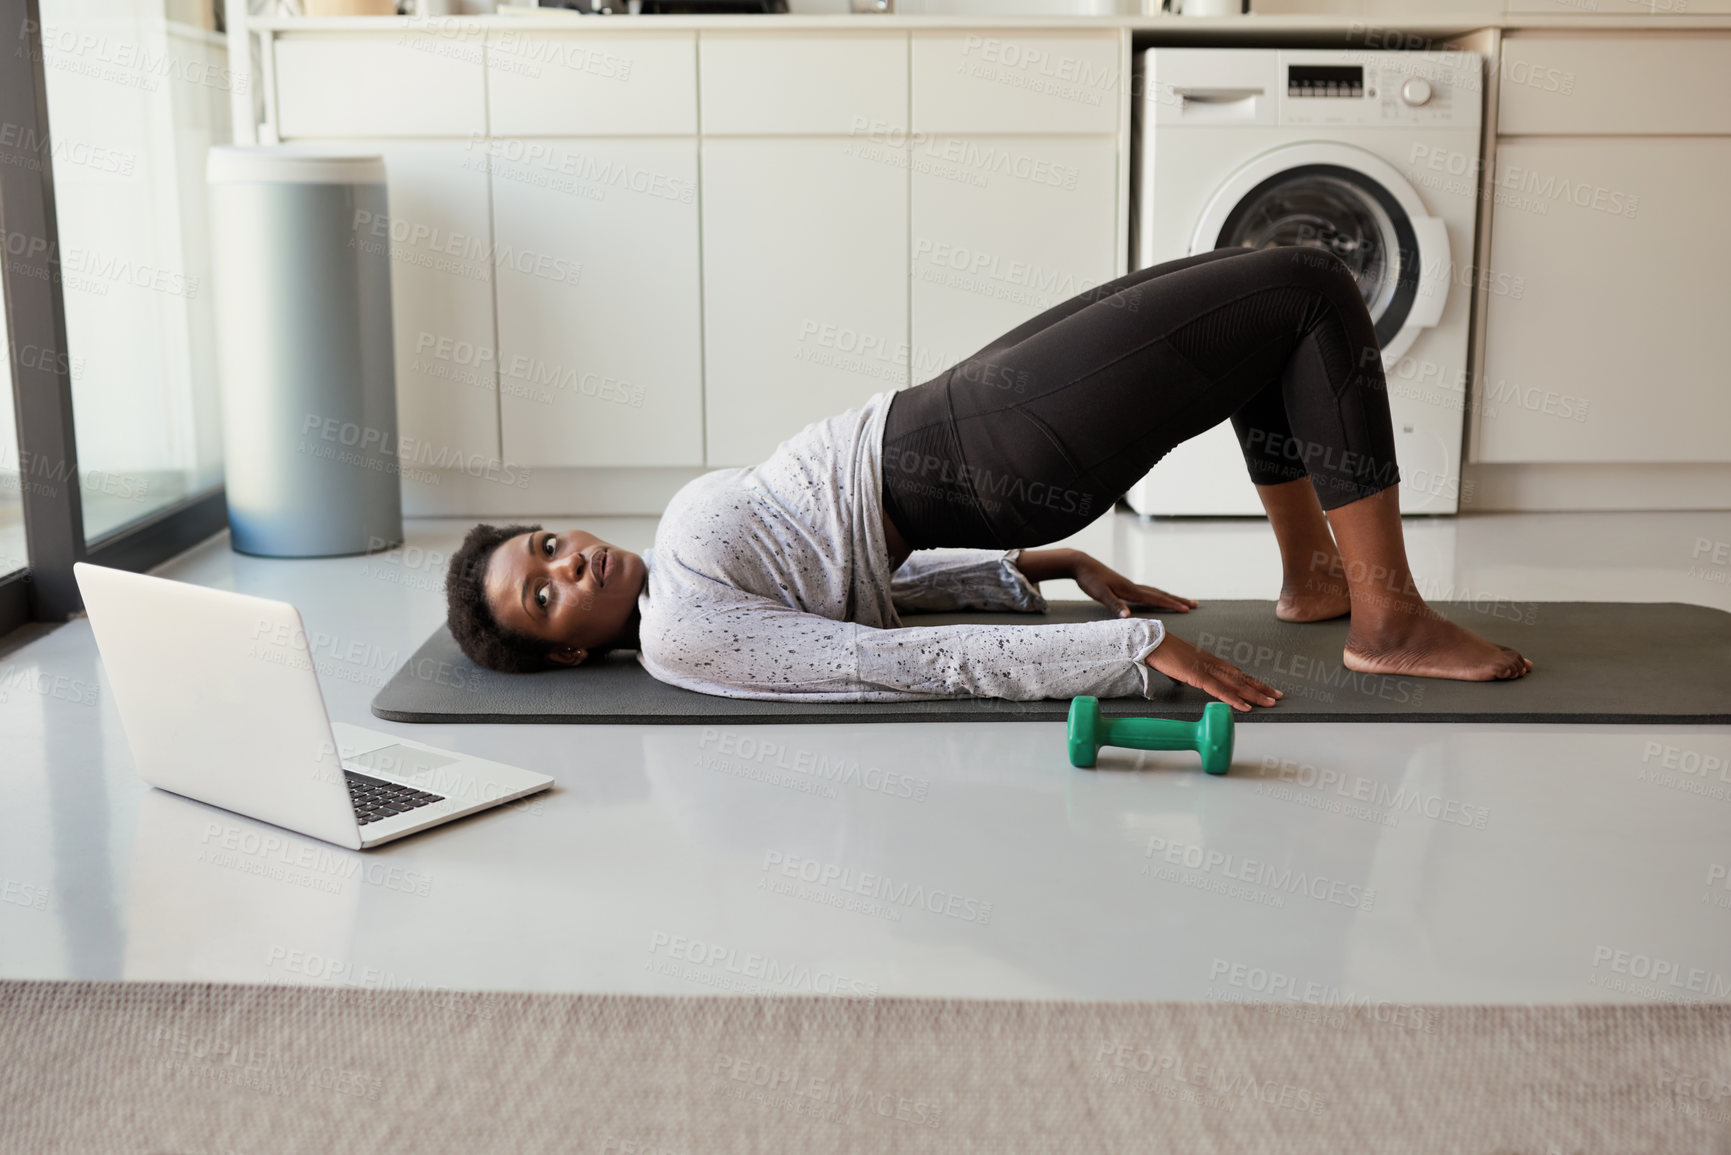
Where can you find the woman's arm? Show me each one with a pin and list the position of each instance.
(1041, 565)
(763, 649)
(759, 648)
(1099, 581)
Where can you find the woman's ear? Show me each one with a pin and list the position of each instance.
(567, 656)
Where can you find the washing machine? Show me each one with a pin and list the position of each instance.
(1370, 155)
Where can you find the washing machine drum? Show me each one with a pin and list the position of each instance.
(1363, 212)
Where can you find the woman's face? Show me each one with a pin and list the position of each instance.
(571, 590)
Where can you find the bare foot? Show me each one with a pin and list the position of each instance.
(1426, 645)
(1314, 599)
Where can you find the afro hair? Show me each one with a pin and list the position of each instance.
(478, 632)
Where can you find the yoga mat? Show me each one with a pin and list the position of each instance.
(200, 1068)
(1618, 662)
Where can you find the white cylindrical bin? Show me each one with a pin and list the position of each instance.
(304, 353)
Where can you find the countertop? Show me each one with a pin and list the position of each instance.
(1177, 28)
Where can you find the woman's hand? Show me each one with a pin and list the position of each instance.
(1118, 593)
(1183, 662)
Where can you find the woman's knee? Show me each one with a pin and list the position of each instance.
(1313, 268)
(1333, 286)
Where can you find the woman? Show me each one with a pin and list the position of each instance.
(784, 580)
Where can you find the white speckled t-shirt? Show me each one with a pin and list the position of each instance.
(773, 581)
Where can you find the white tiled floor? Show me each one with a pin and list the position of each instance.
(1562, 864)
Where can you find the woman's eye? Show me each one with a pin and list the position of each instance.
(540, 597)
(547, 546)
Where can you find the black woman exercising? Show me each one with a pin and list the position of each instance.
(786, 579)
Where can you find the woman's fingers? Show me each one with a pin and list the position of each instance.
(1240, 685)
(1117, 592)
(1168, 601)
(1184, 662)
(1159, 599)
(1222, 691)
(1257, 685)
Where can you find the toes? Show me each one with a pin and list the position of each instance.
(1516, 666)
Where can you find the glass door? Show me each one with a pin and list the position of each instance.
(137, 92)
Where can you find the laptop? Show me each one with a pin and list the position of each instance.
(220, 700)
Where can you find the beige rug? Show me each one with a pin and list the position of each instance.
(234, 1070)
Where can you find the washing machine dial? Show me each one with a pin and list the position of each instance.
(1415, 91)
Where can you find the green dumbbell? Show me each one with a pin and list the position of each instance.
(1211, 737)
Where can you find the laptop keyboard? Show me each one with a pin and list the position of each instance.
(375, 799)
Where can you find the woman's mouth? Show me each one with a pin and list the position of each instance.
(601, 567)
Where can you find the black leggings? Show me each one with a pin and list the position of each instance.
(1040, 432)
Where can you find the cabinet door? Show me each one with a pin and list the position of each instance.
(805, 284)
(441, 298)
(1004, 228)
(1017, 80)
(1616, 349)
(636, 83)
(1587, 8)
(803, 83)
(599, 355)
(1579, 83)
(425, 82)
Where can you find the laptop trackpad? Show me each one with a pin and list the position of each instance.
(398, 761)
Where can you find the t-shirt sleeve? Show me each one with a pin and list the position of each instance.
(756, 648)
(941, 580)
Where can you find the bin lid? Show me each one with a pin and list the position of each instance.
(229, 163)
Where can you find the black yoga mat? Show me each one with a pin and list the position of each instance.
(1616, 662)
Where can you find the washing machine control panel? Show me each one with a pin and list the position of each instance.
(1220, 88)
(1381, 88)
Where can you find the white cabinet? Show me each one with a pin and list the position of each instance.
(636, 83)
(1617, 348)
(1588, 8)
(340, 84)
(597, 258)
(1606, 206)
(1015, 181)
(1598, 85)
(1004, 227)
(803, 82)
(805, 230)
(991, 80)
(805, 284)
(678, 247)
(438, 235)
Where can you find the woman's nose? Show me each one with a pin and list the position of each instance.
(575, 563)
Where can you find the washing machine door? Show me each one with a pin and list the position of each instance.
(1354, 205)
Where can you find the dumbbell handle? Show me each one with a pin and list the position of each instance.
(1148, 733)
